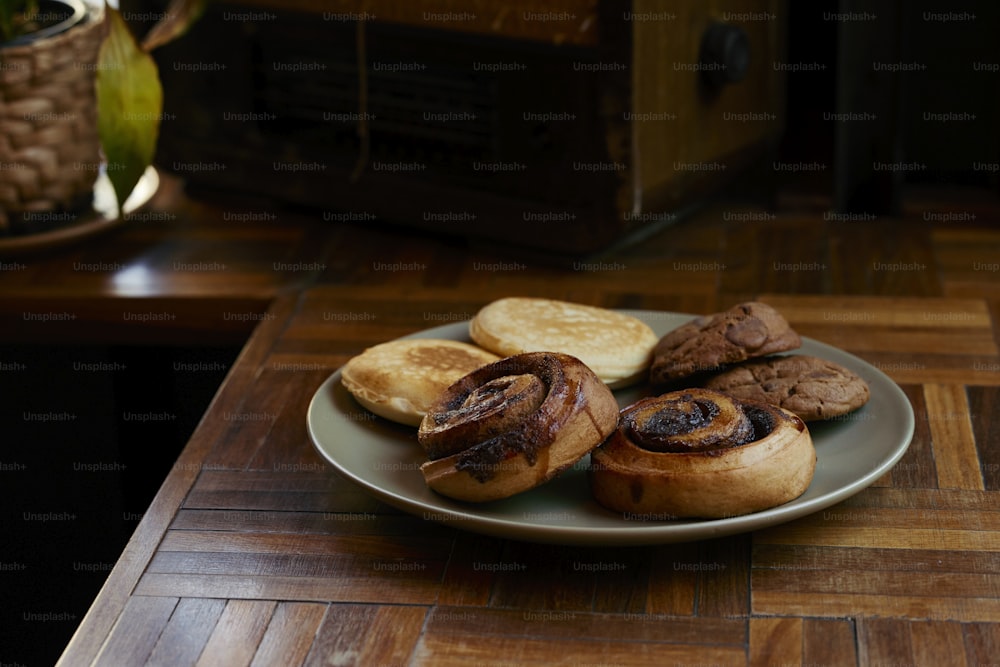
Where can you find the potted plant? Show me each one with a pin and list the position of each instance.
(78, 94)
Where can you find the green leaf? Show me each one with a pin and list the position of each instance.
(129, 106)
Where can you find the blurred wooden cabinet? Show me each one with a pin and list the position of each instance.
(560, 126)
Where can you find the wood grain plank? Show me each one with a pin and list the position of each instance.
(133, 637)
(377, 547)
(435, 651)
(776, 641)
(345, 497)
(465, 583)
(624, 590)
(419, 308)
(884, 642)
(266, 565)
(955, 584)
(994, 304)
(828, 642)
(917, 341)
(950, 499)
(936, 643)
(318, 523)
(983, 403)
(952, 438)
(880, 582)
(691, 279)
(863, 515)
(550, 577)
(185, 635)
(251, 424)
(968, 260)
(288, 446)
(286, 358)
(307, 489)
(869, 259)
(289, 635)
(775, 260)
(855, 559)
(856, 605)
(927, 367)
(379, 570)
(917, 467)
(724, 584)
(218, 479)
(882, 311)
(236, 636)
(673, 586)
(883, 537)
(982, 643)
(357, 634)
(397, 590)
(972, 288)
(566, 625)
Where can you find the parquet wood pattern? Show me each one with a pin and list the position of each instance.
(257, 551)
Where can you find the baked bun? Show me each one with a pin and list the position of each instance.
(512, 425)
(707, 343)
(699, 453)
(617, 347)
(399, 380)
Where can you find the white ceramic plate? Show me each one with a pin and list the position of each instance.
(385, 459)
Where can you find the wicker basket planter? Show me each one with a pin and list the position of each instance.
(49, 148)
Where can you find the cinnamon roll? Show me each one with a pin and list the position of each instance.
(700, 453)
(511, 425)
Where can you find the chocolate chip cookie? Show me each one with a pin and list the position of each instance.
(748, 330)
(810, 387)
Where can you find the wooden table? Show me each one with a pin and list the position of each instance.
(181, 272)
(255, 551)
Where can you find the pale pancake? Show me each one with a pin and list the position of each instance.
(399, 380)
(616, 346)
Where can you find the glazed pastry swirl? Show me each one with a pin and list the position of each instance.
(687, 422)
(483, 413)
(521, 419)
(700, 453)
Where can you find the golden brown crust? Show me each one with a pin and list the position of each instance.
(399, 380)
(616, 346)
(727, 478)
(514, 424)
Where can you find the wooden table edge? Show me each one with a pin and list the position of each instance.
(88, 639)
